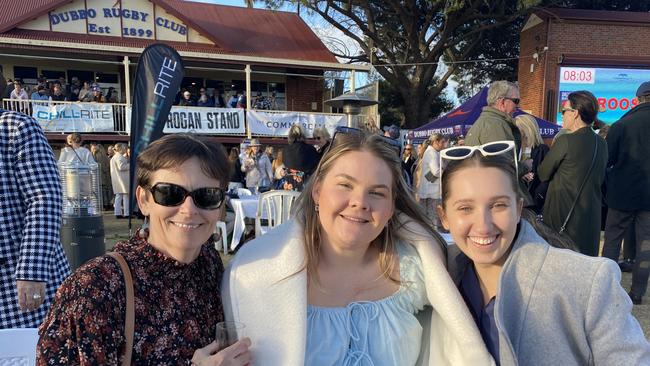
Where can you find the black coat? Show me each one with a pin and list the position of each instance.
(301, 156)
(628, 165)
(407, 166)
(236, 175)
(565, 167)
(536, 188)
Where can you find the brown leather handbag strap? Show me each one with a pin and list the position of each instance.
(130, 307)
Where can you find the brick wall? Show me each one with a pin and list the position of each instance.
(621, 44)
(531, 84)
(302, 92)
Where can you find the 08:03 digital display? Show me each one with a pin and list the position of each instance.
(578, 75)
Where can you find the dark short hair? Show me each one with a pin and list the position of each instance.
(172, 151)
(586, 105)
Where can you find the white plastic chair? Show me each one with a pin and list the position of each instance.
(275, 206)
(18, 346)
(220, 229)
(244, 192)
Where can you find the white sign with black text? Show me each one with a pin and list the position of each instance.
(278, 124)
(206, 121)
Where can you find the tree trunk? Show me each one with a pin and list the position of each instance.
(416, 108)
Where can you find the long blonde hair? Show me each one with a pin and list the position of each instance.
(308, 217)
(528, 124)
(278, 160)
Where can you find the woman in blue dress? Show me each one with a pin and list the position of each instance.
(358, 278)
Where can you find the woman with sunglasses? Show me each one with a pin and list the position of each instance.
(575, 170)
(535, 304)
(322, 137)
(342, 283)
(175, 269)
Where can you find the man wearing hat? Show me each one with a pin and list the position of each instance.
(628, 188)
(392, 131)
(257, 166)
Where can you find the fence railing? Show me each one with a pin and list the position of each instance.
(44, 110)
(55, 116)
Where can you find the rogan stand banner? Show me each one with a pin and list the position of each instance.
(157, 80)
(206, 121)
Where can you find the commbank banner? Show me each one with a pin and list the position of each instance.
(157, 80)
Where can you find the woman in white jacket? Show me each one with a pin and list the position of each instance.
(120, 179)
(343, 283)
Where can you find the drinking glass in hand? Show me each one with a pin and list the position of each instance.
(228, 333)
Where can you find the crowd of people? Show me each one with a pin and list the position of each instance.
(361, 275)
(210, 97)
(113, 165)
(60, 90)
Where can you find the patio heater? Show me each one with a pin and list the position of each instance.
(351, 104)
(82, 229)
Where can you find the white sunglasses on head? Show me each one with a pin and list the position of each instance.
(489, 149)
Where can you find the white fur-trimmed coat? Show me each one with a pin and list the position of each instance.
(261, 289)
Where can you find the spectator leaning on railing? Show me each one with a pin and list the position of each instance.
(58, 95)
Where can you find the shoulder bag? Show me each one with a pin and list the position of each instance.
(130, 307)
(593, 160)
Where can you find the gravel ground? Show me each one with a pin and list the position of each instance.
(118, 230)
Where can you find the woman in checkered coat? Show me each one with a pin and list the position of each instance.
(32, 262)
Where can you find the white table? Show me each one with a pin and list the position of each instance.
(244, 206)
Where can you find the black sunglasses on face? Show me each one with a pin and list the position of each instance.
(514, 100)
(169, 195)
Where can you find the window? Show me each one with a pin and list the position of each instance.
(238, 85)
(24, 73)
(214, 84)
(81, 75)
(106, 78)
(53, 75)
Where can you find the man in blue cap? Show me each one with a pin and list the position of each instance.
(628, 192)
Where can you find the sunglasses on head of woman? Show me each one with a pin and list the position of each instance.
(170, 195)
(489, 149)
(394, 144)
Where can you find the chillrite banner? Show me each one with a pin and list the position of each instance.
(74, 117)
(206, 121)
(157, 80)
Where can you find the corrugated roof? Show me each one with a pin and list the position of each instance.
(595, 15)
(234, 30)
(259, 32)
(16, 12)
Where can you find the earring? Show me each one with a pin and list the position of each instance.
(317, 207)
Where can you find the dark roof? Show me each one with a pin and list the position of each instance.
(595, 15)
(234, 30)
(259, 32)
(16, 12)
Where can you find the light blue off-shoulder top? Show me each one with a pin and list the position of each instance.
(371, 333)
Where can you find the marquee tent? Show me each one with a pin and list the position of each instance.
(458, 121)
